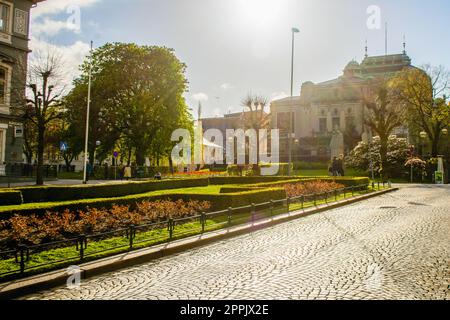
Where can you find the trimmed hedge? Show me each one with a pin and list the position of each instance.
(10, 197)
(66, 193)
(218, 201)
(250, 180)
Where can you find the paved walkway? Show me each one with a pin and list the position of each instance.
(396, 246)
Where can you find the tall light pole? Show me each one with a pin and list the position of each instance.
(294, 31)
(87, 118)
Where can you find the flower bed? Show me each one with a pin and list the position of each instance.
(32, 229)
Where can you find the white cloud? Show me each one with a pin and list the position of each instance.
(51, 27)
(51, 7)
(278, 95)
(200, 96)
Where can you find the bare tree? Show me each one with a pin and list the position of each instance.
(255, 118)
(44, 91)
(423, 92)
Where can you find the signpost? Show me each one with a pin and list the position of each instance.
(115, 154)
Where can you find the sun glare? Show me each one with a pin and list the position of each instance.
(260, 12)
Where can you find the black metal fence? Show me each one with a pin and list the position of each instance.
(136, 236)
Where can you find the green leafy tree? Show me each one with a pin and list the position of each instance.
(137, 97)
(423, 92)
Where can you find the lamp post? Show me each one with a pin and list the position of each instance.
(294, 31)
(87, 119)
(423, 135)
(447, 154)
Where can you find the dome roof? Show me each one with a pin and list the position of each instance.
(352, 65)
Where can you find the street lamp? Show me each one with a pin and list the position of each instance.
(423, 135)
(294, 31)
(86, 138)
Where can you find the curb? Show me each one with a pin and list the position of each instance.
(17, 288)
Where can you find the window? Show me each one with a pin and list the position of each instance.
(336, 123)
(3, 85)
(4, 17)
(283, 121)
(323, 125)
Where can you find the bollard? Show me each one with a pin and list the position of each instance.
(230, 211)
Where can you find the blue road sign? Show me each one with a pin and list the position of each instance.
(63, 146)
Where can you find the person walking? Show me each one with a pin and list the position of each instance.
(88, 170)
(334, 166)
(340, 165)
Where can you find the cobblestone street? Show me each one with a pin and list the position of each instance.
(396, 246)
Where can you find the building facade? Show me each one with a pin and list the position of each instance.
(329, 106)
(14, 38)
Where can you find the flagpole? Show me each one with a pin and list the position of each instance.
(87, 118)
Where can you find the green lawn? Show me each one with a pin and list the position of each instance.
(117, 243)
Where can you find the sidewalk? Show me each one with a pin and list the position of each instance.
(59, 182)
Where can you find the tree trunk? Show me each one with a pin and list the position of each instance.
(383, 157)
(40, 156)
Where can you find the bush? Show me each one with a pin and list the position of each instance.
(66, 193)
(398, 149)
(247, 180)
(219, 202)
(10, 197)
(32, 229)
(309, 188)
(248, 170)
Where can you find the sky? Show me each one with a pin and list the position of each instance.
(236, 47)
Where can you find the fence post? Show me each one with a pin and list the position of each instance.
(131, 231)
(288, 204)
(373, 185)
(230, 212)
(353, 191)
(315, 200)
(253, 212)
(170, 228)
(22, 249)
(335, 195)
(303, 201)
(202, 219)
(326, 197)
(271, 207)
(378, 185)
(83, 243)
